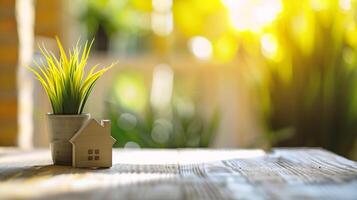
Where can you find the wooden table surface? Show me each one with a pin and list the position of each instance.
(183, 174)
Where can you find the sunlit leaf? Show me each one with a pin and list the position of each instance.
(63, 78)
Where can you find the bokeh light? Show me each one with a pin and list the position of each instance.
(162, 85)
(130, 91)
(162, 5)
(162, 24)
(252, 15)
(201, 47)
(345, 4)
(161, 130)
(225, 48)
(131, 145)
(269, 46)
(127, 121)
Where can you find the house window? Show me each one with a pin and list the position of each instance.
(93, 154)
(96, 157)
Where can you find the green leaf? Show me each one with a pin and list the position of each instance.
(64, 79)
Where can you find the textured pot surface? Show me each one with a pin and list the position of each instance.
(61, 130)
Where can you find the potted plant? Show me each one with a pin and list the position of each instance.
(68, 87)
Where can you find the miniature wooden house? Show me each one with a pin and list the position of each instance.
(92, 145)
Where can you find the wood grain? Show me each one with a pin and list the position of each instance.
(183, 174)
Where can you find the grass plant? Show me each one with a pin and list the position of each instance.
(65, 80)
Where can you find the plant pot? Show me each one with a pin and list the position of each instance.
(61, 130)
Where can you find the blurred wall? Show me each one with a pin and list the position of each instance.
(8, 65)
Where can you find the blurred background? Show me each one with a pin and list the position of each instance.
(193, 73)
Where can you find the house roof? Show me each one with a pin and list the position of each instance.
(85, 125)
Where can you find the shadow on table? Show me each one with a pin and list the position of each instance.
(55, 170)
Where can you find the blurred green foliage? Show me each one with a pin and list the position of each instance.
(122, 24)
(309, 84)
(136, 123)
(299, 57)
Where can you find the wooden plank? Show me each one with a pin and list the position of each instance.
(183, 174)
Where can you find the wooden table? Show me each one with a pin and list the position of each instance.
(183, 174)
